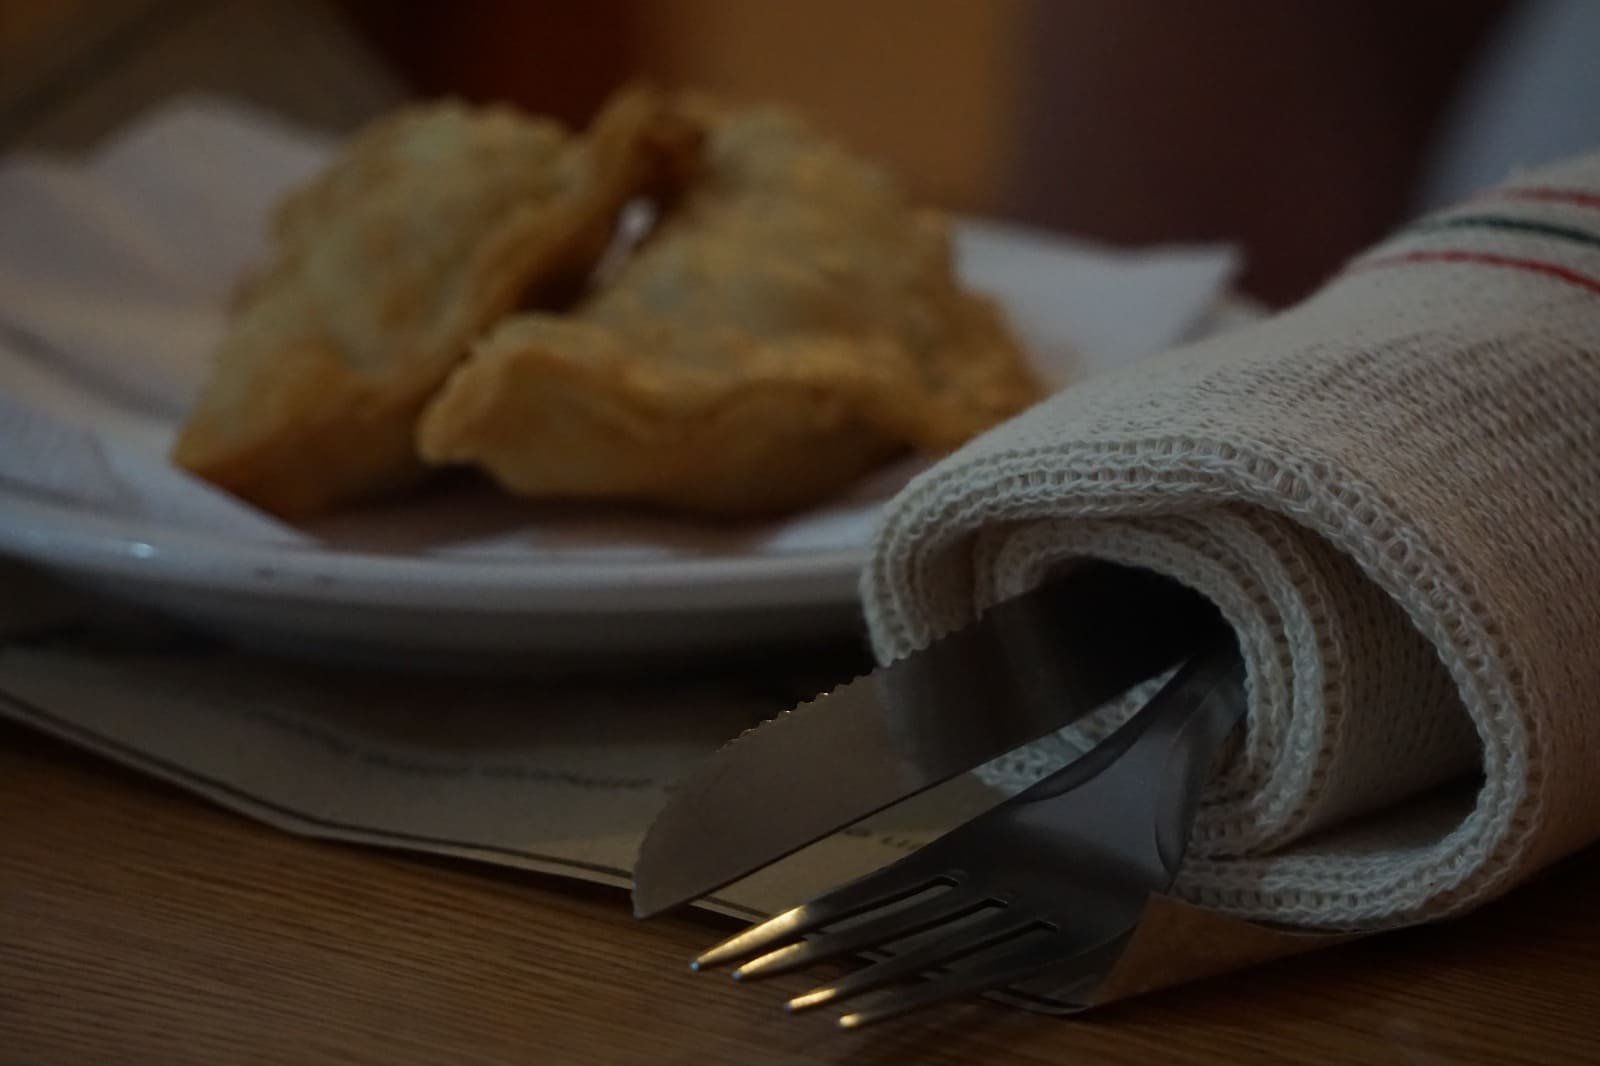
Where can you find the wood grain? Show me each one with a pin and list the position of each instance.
(139, 925)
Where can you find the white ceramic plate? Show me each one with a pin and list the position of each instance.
(463, 575)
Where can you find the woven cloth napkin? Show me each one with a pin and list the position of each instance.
(1392, 492)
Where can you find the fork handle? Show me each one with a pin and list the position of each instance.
(1214, 665)
(1172, 743)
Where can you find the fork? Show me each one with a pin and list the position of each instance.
(1052, 880)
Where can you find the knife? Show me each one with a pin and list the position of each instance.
(1022, 670)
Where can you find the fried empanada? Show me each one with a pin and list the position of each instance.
(789, 325)
(435, 223)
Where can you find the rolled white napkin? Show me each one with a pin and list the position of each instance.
(1392, 492)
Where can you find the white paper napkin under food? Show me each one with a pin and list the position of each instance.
(1392, 492)
(115, 271)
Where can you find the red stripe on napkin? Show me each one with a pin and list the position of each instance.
(1533, 266)
(1545, 194)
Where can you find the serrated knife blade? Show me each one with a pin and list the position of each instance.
(1025, 668)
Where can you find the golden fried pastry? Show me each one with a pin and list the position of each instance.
(789, 325)
(436, 222)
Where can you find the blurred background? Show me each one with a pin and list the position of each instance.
(1303, 131)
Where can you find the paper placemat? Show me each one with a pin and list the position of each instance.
(560, 776)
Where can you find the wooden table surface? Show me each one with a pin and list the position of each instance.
(138, 925)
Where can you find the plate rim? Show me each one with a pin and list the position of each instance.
(83, 542)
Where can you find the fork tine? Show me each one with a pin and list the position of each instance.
(957, 944)
(877, 889)
(1026, 960)
(945, 907)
